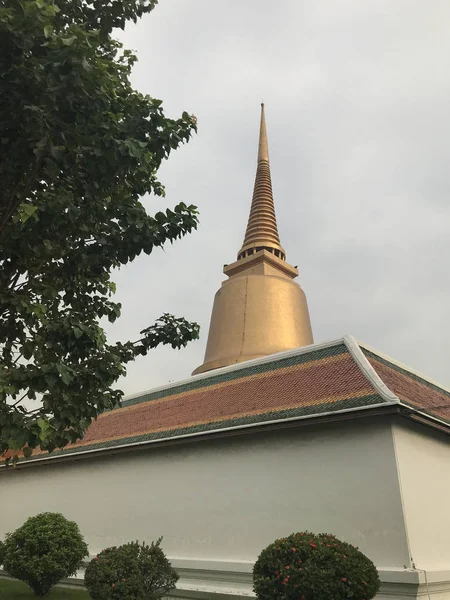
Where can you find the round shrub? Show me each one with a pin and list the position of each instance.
(130, 572)
(305, 566)
(46, 549)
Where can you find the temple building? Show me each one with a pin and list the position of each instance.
(271, 434)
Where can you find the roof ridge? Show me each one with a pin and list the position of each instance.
(368, 371)
(396, 363)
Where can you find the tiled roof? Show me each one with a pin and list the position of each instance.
(308, 382)
(411, 389)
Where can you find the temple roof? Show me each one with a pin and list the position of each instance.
(340, 378)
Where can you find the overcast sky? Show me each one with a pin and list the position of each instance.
(357, 98)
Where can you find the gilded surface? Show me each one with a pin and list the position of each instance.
(262, 230)
(259, 310)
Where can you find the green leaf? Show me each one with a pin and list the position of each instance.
(44, 428)
(25, 212)
(69, 41)
(65, 373)
(48, 29)
(27, 451)
(13, 444)
(29, 209)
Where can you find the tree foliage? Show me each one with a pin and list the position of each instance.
(132, 571)
(308, 566)
(44, 550)
(79, 147)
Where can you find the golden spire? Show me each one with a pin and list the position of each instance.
(262, 230)
(259, 309)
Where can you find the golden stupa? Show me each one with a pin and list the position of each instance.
(260, 309)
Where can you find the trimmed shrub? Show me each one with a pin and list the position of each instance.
(305, 566)
(46, 549)
(130, 572)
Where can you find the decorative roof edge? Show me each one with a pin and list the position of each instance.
(355, 348)
(400, 365)
(368, 371)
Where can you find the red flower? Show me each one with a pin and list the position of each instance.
(364, 583)
(313, 545)
(294, 549)
(123, 579)
(113, 585)
(277, 573)
(344, 579)
(288, 567)
(303, 597)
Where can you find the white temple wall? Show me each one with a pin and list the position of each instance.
(226, 499)
(424, 465)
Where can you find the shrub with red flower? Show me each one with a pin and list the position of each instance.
(314, 567)
(130, 572)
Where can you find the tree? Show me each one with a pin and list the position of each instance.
(44, 550)
(132, 571)
(79, 147)
(308, 566)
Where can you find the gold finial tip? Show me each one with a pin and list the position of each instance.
(263, 151)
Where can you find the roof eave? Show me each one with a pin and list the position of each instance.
(424, 418)
(382, 408)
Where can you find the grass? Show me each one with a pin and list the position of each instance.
(16, 590)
